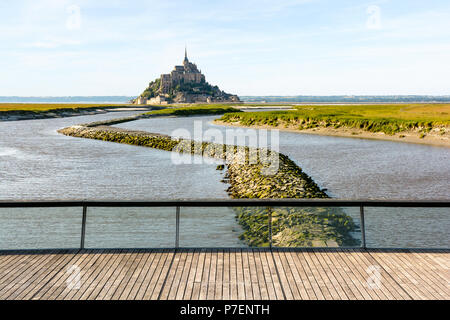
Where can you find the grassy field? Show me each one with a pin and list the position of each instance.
(195, 110)
(42, 107)
(389, 119)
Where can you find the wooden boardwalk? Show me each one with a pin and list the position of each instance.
(226, 274)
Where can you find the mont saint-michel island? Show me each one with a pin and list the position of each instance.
(184, 84)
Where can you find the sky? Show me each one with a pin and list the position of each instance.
(246, 47)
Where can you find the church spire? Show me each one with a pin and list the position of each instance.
(185, 54)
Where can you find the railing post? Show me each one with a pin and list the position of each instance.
(269, 209)
(177, 224)
(83, 227)
(363, 227)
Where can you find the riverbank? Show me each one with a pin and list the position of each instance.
(434, 138)
(414, 123)
(16, 111)
(248, 177)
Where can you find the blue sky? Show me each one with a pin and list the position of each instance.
(248, 47)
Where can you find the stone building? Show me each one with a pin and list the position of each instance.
(158, 100)
(184, 84)
(141, 100)
(187, 73)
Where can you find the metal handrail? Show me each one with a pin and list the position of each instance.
(267, 203)
(228, 203)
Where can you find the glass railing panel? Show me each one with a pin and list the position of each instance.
(40, 228)
(130, 227)
(210, 227)
(316, 227)
(407, 227)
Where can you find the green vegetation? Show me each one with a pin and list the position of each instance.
(389, 119)
(43, 107)
(195, 88)
(195, 110)
(152, 89)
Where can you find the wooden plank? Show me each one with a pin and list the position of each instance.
(86, 272)
(116, 277)
(340, 286)
(336, 271)
(179, 293)
(159, 283)
(205, 276)
(191, 278)
(438, 264)
(21, 279)
(226, 276)
(10, 271)
(129, 270)
(233, 276)
(212, 277)
(8, 260)
(218, 292)
(177, 278)
(154, 283)
(198, 275)
(41, 276)
(50, 286)
(307, 278)
(422, 270)
(353, 272)
(325, 275)
(367, 265)
(247, 277)
(360, 275)
(286, 276)
(261, 277)
(254, 275)
(323, 292)
(110, 265)
(146, 260)
(440, 258)
(275, 280)
(346, 276)
(300, 282)
(270, 282)
(18, 267)
(240, 275)
(397, 275)
(177, 262)
(139, 289)
(93, 275)
(407, 276)
(149, 265)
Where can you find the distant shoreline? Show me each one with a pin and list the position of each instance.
(410, 137)
(17, 115)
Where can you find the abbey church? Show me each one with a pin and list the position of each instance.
(185, 84)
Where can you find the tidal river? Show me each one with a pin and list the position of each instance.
(38, 163)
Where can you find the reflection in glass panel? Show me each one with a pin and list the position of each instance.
(407, 227)
(210, 227)
(130, 227)
(40, 228)
(315, 227)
